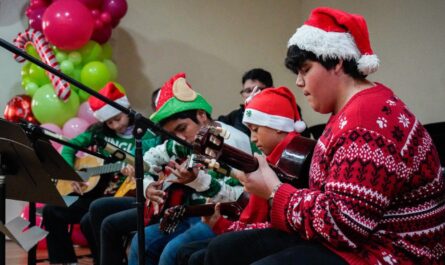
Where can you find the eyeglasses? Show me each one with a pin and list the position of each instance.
(249, 90)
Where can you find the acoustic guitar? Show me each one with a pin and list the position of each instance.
(89, 169)
(292, 167)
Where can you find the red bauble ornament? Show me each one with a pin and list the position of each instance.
(19, 107)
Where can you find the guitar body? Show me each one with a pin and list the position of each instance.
(127, 188)
(175, 195)
(64, 186)
(292, 167)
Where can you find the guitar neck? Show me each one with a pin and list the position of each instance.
(238, 159)
(227, 208)
(108, 168)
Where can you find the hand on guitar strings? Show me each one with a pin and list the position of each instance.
(183, 174)
(78, 186)
(155, 195)
(262, 181)
(212, 219)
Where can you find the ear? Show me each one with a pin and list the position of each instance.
(339, 67)
(201, 116)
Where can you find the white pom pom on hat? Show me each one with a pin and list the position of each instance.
(335, 34)
(275, 108)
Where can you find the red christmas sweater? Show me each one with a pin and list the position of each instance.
(256, 213)
(376, 193)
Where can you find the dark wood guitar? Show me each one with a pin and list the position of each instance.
(292, 167)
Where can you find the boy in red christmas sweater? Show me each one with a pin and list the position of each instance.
(376, 191)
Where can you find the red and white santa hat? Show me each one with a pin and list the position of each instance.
(103, 111)
(335, 34)
(275, 108)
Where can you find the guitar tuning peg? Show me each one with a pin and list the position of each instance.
(223, 132)
(212, 163)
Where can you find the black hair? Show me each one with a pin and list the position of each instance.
(296, 57)
(154, 95)
(102, 128)
(258, 74)
(191, 114)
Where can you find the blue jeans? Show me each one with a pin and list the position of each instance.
(161, 248)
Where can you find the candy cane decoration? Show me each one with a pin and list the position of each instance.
(37, 39)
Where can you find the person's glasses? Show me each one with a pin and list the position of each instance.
(249, 90)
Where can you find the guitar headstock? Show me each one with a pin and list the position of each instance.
(210, 140)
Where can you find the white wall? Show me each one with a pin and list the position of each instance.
(214, 42)
(10, 24)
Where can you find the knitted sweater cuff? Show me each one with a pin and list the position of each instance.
(202, 182)
(280, 206)
(221, 225)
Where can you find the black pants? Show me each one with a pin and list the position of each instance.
(112, 220)
(266, 247)
(56, 220)
(192, 253)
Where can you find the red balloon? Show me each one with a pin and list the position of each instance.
(67, 24)
(19, 107)
(103, 34)
(35, 18)
(116, 8)
(92, 4)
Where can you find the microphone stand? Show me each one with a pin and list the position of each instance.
(141, 125)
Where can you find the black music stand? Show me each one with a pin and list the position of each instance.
(141, 124)
(26, 170)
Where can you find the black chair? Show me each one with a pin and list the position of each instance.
(317, 130)
(437, 133)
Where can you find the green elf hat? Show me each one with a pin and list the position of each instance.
(176, 96)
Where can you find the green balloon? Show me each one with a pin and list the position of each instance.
(83, 96)
(25, 81)
(67, 67)
(48, 108)
(95, 75)
(92, 51)
(61, 56)
(75, 57)
(31, 88)
(25, 69)
(120, 87)
(107, 52)
(38, 75)
(32, 51)
(112, 68)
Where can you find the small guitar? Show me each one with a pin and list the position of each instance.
(173, 215)
(292, 167)
(89, 169)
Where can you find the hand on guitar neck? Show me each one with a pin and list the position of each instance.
(292, 167)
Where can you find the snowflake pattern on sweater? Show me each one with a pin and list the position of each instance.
(376, 193)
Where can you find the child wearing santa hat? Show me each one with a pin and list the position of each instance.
(375, 191)
(113, 127)
(274, 121)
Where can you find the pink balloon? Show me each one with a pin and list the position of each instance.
(85, 112)
(103, 34)
(74, 127)
(55, 129)
(67, 24)
(116, 8)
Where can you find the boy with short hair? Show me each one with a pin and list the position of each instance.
(274, 121)
(183, 112)
(376, 190)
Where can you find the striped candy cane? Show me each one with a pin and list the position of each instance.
(37, 39)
